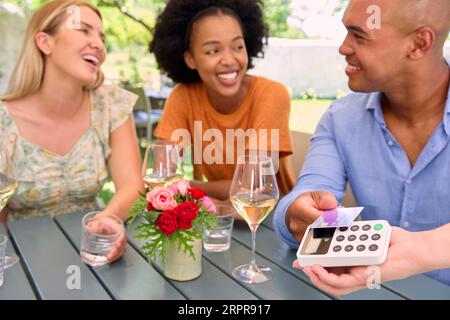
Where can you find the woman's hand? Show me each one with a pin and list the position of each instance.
(105, 225)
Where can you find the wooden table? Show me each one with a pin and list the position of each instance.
(49, 253)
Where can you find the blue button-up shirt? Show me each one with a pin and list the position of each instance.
(352, 143)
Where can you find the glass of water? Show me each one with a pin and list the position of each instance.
(99, 235)
(219, 238)
(3, 240)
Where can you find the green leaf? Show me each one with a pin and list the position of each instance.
(137, 208)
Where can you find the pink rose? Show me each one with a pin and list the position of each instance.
(161, 198)
(209, 205)
(173, 188)
(183, 187)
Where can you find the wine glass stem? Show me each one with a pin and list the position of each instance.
(253, 266)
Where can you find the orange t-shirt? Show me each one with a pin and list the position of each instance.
(265, 108)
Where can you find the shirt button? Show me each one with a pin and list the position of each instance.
(408, 181)
(406, 224)
(390, 143)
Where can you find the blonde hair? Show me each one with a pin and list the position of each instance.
(28, 72)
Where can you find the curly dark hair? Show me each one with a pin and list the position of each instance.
(172, 32)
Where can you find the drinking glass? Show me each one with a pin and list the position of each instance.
(162, 164)
(8, 186)
(8, 182)
(218, 239)
(99, 234)
(3, 240)
(254, 193)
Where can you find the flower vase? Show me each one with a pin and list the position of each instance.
(180, 265)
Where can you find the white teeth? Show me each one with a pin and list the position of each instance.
(353, 68)
(91, 58)
(228, 76)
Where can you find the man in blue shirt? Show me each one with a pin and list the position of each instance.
(390, 142)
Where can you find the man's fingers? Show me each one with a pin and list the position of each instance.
(327, 201)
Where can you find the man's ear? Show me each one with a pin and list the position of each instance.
(423, 42)
(44, 42)
(189, 60)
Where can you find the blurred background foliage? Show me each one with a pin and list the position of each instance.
(128, 27)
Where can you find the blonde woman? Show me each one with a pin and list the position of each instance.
(62, 128)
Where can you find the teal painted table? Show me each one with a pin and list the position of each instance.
(50, 268)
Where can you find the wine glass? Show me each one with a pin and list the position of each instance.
(8, 186)
(254, 193)
(162, 164)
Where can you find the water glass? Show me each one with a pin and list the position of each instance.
(3, 240)
(99, 234)
(219, 238)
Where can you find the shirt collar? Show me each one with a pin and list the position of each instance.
(374, 103)
(447, 107)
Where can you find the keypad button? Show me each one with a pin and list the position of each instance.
(337, 248)
(340, 238)
(363, 237)
(366, 227)
(354, 228)
(361, 248)
(376, 237)
(351, 237)
(378, 227)
(348, 248)
(373, 247)
(343, 229)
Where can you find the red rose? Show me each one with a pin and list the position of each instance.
(150, 206)
(167, 222)
(186, 213)
(196, 194)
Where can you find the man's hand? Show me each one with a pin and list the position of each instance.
(404, 259)
(306, 209)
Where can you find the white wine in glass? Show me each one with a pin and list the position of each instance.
(162, 164)
(8, 183)
(254, 193)
(7, 189)
(8, 186)
(254, 209)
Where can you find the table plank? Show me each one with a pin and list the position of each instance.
(270, 247)
(47, 255)
(212, 284)
(15, 283)
(137, 279)
(420, 287)
(283, 286)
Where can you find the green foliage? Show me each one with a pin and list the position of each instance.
(276, 13)
(126, 39)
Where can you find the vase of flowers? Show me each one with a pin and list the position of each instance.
(174, 217)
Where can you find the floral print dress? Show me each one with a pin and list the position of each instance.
(52, 184)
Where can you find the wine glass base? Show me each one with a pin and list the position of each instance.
(247, 274)
(10, 260)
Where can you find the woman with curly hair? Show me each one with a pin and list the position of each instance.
(207, 47)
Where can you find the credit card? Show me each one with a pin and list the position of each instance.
(339, 217)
